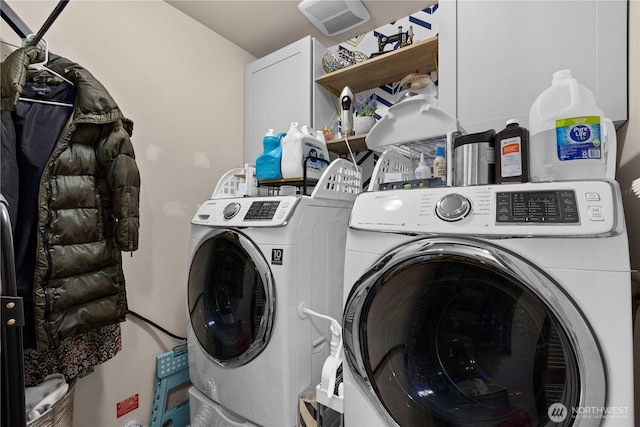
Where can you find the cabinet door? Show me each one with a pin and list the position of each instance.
(277, 92)
(507, 52)
(279, 89)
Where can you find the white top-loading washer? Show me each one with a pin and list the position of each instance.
(489, 305)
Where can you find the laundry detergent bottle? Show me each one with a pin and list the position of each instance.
(569, 137)
(268, 163)
(292, 153)
(314, 147)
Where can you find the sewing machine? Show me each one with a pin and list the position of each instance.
(404, 39)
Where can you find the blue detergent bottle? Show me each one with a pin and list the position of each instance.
(268, 163)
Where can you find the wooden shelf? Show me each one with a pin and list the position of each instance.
(356, 142)
(387, 68)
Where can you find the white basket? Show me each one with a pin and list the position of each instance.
(341, 180)
(393, 160)
(229, 185)
(402, 159)
(237, 182)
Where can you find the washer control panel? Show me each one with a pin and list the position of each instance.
(556, 207)
(246, 212)
(572, 208)
(262, 210)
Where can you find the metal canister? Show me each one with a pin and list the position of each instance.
(474, 159)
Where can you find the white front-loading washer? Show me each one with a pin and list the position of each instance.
(500, 305)
(253, 262)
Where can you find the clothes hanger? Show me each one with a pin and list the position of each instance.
(41, 66)
(42, 101)
(38, 40)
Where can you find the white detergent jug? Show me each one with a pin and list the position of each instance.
(569, 137)
(291, 165)
(315, 147)
(298, 145)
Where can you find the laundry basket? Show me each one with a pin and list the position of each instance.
(396, 165)
(60, 414)
(229, 185)
(341, 180)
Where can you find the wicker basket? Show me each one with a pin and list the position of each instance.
(337, 59)
(60, 414)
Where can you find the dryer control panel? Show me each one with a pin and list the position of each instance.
(246, 212)
(580, 208)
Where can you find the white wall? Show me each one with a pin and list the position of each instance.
(182, 85)
(629, 170)
(629, 141)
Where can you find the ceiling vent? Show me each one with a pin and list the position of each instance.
(334, 16)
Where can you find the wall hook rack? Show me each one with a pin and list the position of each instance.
(22, 29)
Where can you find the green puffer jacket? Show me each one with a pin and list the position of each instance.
(87, 208)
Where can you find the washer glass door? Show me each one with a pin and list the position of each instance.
(459, 332)
(231, 297)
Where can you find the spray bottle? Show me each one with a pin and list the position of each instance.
(326, 390)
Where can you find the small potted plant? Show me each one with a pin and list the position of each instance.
(365, 109)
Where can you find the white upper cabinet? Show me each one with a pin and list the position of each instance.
(496, 57)
(279, 88)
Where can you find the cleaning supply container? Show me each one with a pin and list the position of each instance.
(474, 159)
(440, 166)
(291, 165)
(268, 163)
(423, 170)
(512, 153)
(569, 137)
(300, 149)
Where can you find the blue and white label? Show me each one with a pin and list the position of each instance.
(578, 138)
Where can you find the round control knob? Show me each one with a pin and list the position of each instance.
(231, 210)
(453, 207)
